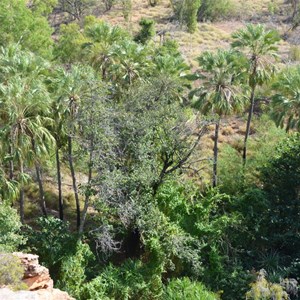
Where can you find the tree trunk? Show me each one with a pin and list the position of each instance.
(60, 199)
(252, 98)
(215, 166)
(11, 163)
(87, 193)
(22, 193)
(41, 189)
(74, 180)
(40, 183)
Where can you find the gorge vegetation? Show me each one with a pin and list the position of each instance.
(136, 171)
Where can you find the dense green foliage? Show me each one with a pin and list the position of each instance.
(115, 129)
(10, 225)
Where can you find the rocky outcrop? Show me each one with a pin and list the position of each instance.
(44, 294)
(35, 276)
(38, 280)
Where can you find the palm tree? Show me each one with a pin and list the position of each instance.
(219, 94)
(69, 88)
(99, 50)
(25, 102)
(131, 62)
(259, 46)
(24, 107)
(286, 101)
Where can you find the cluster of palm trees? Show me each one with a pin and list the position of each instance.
(39, 101)
(230, 80)
(38, 106)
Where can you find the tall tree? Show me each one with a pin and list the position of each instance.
(259, 45)
(24, 104)
(69, 89)
(219, 93)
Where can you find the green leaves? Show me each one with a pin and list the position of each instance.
(260, 47)
(219, 92)
(31, 31)
(286, 100)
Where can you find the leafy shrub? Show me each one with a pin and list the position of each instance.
(52, 242)
(10, 237)
(186, 12)
(72, 273)
(215, 9)
(281, 181)
(184, 288)
(11, 271)
(147, 31)
(133, 280)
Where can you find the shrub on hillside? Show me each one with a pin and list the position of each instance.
(212, 10)
(184, 288)
(11, 271)
(10, 237)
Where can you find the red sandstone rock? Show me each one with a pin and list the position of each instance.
(38, 280)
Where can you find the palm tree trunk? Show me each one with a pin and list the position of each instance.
(11, 163)
(74, 180)
(252, 98)
(60, 199)
(87, 195)
(215, 166)
(41, 189)
(39, 180)
(22, 193)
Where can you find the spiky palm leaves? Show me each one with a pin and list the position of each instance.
(259, 46)
(219, 93)
(286, 101)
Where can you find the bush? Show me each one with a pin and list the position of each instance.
(186, 12)
(179, 289)
(72, 273)
(11, 271)
(212, 10)
(133, 280)
(281, 181)
(10, 237)
(52, 242)
(147, 31)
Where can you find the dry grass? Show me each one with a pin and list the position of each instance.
(209, 36)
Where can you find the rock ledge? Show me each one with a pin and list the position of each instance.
(38, 280)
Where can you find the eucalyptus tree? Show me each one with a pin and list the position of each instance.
(286, 100)
(260, 47)
(24, 106)
(219, 93)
